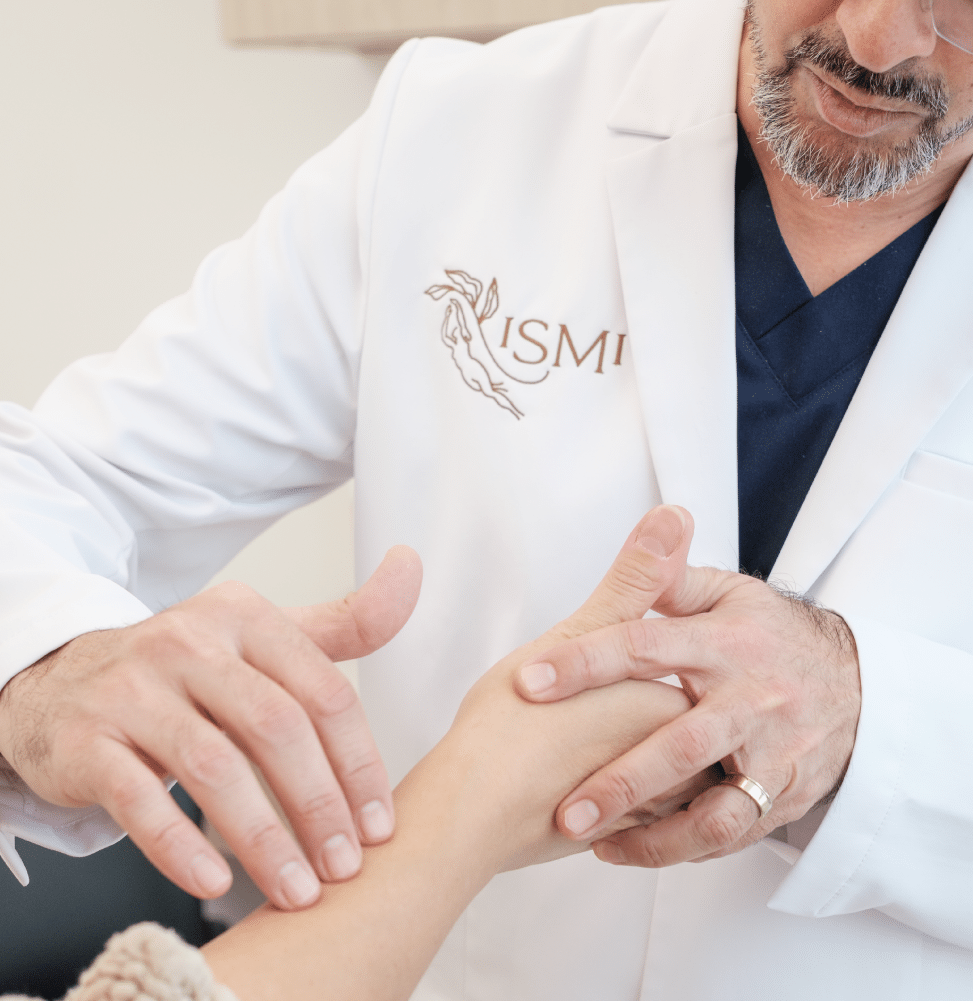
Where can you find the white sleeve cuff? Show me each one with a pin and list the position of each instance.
(76, 832)
(899, 835)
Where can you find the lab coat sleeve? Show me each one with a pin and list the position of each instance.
(140, 473)
(899, 835)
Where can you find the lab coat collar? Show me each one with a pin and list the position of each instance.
(923, 360)
(687, 74)
(672, 206)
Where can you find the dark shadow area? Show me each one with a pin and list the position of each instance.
(51, 930)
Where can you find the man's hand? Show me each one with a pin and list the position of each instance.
(512, 762)
(195, 692)
(776, 696)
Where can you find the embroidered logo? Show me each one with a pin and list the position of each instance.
(462, 333)
(469, 306)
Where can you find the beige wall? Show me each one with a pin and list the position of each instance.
(134, 141)
(382, 25)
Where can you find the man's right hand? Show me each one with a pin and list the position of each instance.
(195, 692)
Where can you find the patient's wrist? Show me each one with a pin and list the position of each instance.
(509, 763)
(463, 799)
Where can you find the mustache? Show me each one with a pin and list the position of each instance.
(928, 93)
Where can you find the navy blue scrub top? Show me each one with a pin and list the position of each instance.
(799, 359)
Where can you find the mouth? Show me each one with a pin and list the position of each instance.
(856, 113)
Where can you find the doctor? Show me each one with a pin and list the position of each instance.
(648, 255)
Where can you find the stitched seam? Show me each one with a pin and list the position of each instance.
(824, 385)
(766, 364)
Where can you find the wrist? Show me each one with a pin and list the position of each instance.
(460, 805)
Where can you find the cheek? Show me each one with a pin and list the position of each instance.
(785, 22)
(963, 93)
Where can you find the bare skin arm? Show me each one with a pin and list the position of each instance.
(481, 802)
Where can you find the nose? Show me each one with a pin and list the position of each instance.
(881, 34)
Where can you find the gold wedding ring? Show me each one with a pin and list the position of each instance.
(753, 789)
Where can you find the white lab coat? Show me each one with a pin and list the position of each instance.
(588, 166)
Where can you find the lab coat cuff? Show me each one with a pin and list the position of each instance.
(70, 606)
(897, 837)
(71, 831)
(829, 866)
(23, 814)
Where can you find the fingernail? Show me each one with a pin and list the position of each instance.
(605, 851)
(376, 823)
(212, 878)
(662, 531)
(581, 816)
(299, 885)
(341, 858)
(538, 678)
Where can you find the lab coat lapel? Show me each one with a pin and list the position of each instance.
(672, 204)
(923, 360)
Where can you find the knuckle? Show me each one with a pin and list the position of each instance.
(324, 808)
(277, 719)
(128, 794)
(210, 762)
(364, 770)
(691, 749)
(636, 641)
(237, 605)
(166, 840)
(622, 789)
(719, 828)
(365, 631)
(331, 694)
(586, 663)
(172, 637)
(633, 573)
(648, 854)
(264, 838)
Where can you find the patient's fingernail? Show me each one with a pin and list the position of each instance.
(662, 530)
(538, 678)
(341, 858)
(581, 816)
(212, 878)
(299, 885)
(376, 823)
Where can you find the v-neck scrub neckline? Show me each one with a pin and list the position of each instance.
(799, 359)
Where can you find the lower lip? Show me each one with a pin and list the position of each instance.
(850, 118)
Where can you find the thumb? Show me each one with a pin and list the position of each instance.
(368, 618)
(697, 590)
(650, 565)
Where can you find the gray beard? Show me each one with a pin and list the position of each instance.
(855, 175)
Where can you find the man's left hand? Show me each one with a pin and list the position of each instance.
(776, 696)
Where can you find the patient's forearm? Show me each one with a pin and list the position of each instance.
(371, 939)
(483, 800)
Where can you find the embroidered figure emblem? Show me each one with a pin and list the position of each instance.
(467, 308)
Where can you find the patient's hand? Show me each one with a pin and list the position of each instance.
(523, 758)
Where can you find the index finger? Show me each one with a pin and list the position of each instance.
(643, 649)
(651, 562)
(673, 754)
